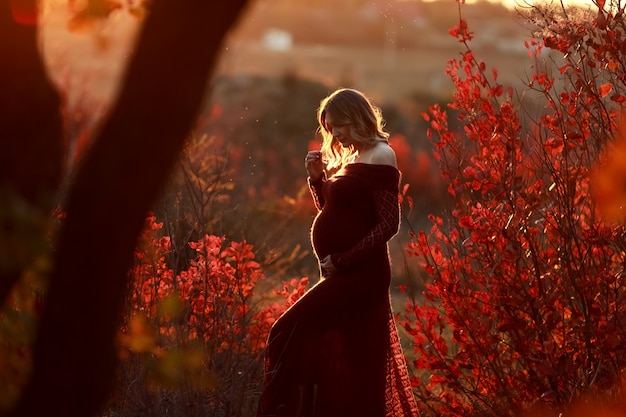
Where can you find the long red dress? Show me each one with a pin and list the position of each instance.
(336, 352)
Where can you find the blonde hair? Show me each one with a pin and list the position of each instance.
(348, 106)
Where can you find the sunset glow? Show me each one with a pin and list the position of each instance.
(512, 4)
(525, 3)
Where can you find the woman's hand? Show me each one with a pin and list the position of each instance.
(327, 266)
(314, 165)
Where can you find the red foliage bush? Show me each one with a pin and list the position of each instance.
(526, 308)
(199, 333)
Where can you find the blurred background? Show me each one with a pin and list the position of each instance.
(276, 66)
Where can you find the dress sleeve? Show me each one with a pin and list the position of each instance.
(388, 224)
(316, 191)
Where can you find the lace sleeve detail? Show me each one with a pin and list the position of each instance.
(388, 215)
(316, 191)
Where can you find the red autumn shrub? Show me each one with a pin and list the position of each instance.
(526, 308)
(197, 336)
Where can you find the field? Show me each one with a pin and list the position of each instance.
(401, 65)
(390, 62)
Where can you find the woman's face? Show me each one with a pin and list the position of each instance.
(340, 130)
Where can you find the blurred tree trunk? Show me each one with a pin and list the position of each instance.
(30, 136)
(118, 180)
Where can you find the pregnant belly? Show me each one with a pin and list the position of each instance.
(336, 232)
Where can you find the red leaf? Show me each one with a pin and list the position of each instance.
(618, 98)
(605, 89)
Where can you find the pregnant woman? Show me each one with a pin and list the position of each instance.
(336, 352)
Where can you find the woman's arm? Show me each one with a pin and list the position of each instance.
(315, 169)
(387, 226)
(316, 191)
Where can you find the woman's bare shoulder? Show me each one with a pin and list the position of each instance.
(382, 154)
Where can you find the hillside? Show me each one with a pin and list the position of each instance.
(389, 49)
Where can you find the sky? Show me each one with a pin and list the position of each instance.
(513, 3)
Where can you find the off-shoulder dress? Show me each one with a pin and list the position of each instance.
(336, 352)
